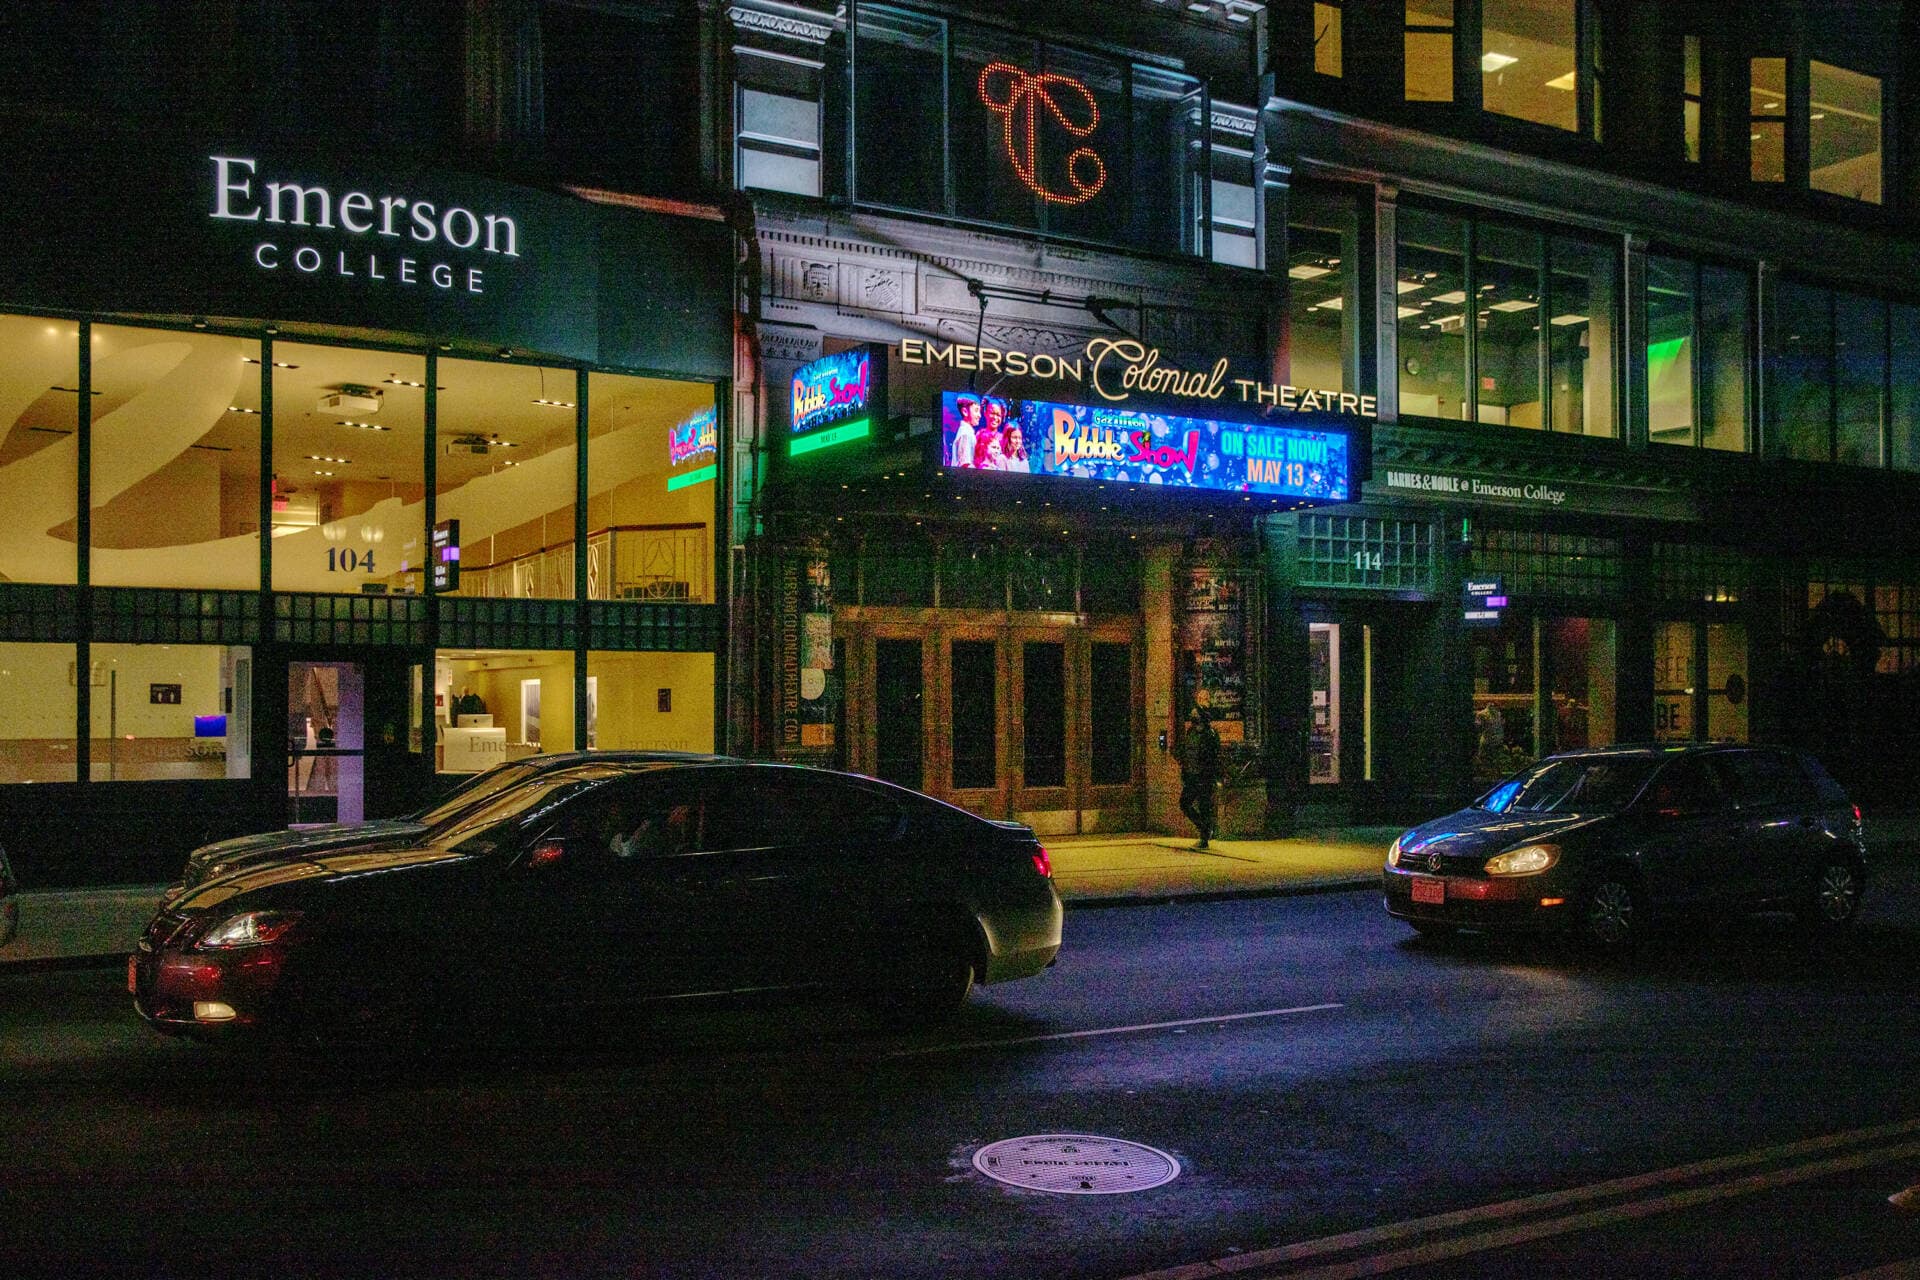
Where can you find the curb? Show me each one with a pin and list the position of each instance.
(53, 964)
(1159, 899)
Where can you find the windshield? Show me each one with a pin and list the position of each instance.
(496, 821)
(475, 790)
(1592, 784)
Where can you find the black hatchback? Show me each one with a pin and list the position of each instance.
(1601, 842)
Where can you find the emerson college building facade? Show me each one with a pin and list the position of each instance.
(958, 394)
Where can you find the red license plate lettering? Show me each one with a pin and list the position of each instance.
(1429, 889)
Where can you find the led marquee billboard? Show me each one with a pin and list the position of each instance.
(1130, 446)
(835, 398)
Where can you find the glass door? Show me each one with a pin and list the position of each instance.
(326, 742)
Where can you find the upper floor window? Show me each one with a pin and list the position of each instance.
(1691, 95)
(1843, 132)
(1767, 119)
(1697, 343)
(1506, 324)
(1527, 59)
(1327, 35)
(979, 123)
(600, 63)
(1429, 51)
(1840, 371)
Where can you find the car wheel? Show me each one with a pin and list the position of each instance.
(924, 986)
(1612, 921)
(1835, 899)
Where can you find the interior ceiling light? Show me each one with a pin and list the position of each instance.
(1513, 304)
(1331, 304)
(1457, 295)
(1404, 312)
(1562, 82)
(1408, 286)
(234, 408)
(395, 380)
(557, 404)
(1495, 61)
(1568, 318)
(364, 426)
(1308, 271)
(321, 457)
(278, 364)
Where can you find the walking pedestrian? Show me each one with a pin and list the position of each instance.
(1199, 773)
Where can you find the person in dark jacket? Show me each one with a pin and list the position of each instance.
(1199, 773)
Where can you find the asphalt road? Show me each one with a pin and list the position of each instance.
(1342, 1100)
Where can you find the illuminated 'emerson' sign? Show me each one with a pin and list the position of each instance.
(1130, 446)
(835, 398)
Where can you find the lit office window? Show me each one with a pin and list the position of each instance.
(1433, 323)
(649, 701)
(1429, 51)
(37, 708)
(39, 449)
(171, 711)
(1690, 94)
(1507, 308)
(495, 705)
(653, 452)
(1527, 60)
(1583, 282)
(1843, 132)
(1327, 52)
(1322, 288)
(1767, 119)
(1697, 343)
(1800, 403)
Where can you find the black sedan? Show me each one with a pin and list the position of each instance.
(607, 884)
(470, 793)
(1598, 842)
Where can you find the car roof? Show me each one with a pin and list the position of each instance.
(567, 759)
(1659, 750)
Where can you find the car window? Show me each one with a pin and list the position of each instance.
(1582, 784)
(629, 821)
(763, 808)
(1765, 778)
(1686, 786)
(502, 819)
(476, 791)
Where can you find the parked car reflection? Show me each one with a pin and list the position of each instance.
(605, 884)
(1599, 842)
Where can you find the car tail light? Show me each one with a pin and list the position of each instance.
(545, 853)
(1856, 815)
(1043, 864)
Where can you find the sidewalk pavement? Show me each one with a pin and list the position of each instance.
(78, 926)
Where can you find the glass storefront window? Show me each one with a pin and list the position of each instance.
(493, 705)
(1503, 698)
(1579, 656)
(166, 711)
(38, 704)
(1433, 339)
(652, 470)
(1429, 51)
(1323, 294)
(1323, 684)
(39, 450)
(1726, 682)
(349, 469)
(1527, 60)
(1673, 682)
(176, 459)
(974, 687)
(649, 702)
(1843, 132)
(507, 470)
(1726, 343)
(1670, 351)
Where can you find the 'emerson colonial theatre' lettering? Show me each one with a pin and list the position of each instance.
(238, 197)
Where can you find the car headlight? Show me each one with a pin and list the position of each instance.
(1527, 860)
(250, 929)
(1393, 852)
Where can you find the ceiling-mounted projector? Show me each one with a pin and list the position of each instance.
(351, 399)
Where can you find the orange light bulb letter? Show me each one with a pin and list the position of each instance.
(1016, 96)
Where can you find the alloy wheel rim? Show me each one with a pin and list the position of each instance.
(1611, 915)
(1837, 893)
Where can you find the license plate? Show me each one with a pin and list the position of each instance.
(133, 975)
(1429, 889)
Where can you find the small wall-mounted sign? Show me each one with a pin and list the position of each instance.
(446, 555)
(1485, 599)
(664, 699)
(163, 695)
(835, 399)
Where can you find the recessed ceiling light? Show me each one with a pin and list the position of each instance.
(1331, 304)
(234, 408)
(1561, 82)
(1456, 295)
(1495, 61)
(1569, 318)
(395, 380)
(1408, 286)
(1513, 304)
(364, 426)
(1308, 271)
(557, 404)
(1404, 312)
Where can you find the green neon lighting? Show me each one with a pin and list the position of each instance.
(827, 439)
(701, 476)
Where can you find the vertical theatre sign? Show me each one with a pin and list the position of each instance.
(808, 691)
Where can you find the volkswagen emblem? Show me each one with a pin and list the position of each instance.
(1433, 862)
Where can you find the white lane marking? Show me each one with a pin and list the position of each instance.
(1114, 1031)
(1908, 1270)
(1533, 1204)
(1422, 1255)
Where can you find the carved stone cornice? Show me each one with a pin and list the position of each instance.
(782, 20)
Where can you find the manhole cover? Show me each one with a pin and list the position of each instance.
(1075, 1164)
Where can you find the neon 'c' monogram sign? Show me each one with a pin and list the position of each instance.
(1016, 96)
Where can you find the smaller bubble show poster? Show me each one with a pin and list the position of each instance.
(1213, 649)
